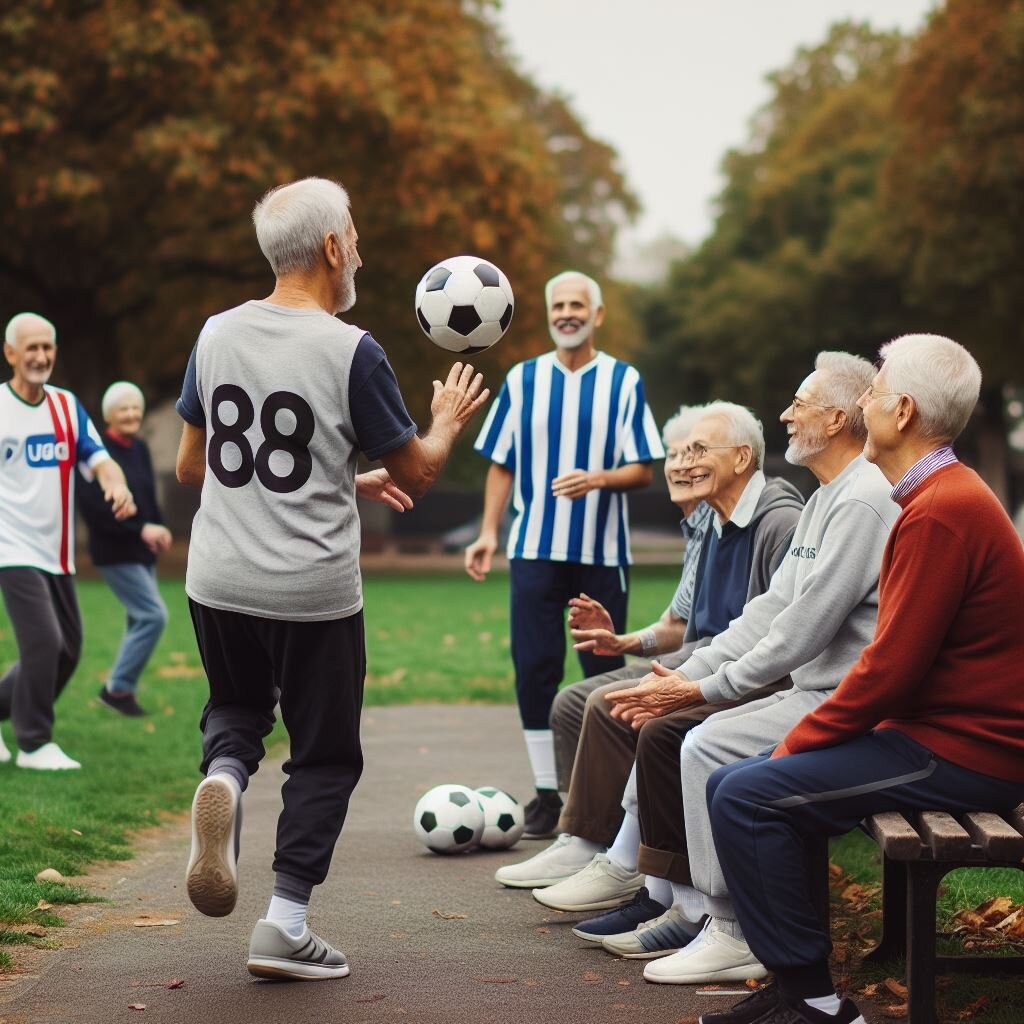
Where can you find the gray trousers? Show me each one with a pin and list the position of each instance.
(724, 738)
(43, 610)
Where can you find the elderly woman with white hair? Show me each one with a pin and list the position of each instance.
(125, 552)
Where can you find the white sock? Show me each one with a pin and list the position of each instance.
(540, 746)
(291, 916)
(585, 846)
(827, 1004)
(626, 848)
(659, 889)
(688, 902)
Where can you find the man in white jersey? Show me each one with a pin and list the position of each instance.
(44, 433)
(279, 399)
(568, 435)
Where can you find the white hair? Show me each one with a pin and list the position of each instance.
(680, 423)
(846, 377)
(118, 393)
(593, 288)
(293, 220)
(22, 320)
(941, 376)
(744, 426)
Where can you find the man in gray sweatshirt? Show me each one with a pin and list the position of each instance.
(812, 623)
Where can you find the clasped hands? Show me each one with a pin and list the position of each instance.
(659, 693)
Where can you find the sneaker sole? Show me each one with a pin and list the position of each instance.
(608, 904)
(589, 937)
(532, 883)
(277, 969)
(211, 876)
(755, 971)
(645, 955)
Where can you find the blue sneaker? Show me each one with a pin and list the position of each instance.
(622, 919)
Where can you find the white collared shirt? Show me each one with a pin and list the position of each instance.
(744, 510)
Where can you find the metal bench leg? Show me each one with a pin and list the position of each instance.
(922, 889)
(892, 944)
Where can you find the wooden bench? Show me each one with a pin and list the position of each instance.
(918, 850)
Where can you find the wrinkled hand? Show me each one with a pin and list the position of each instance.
(377, 485)
(121, 502)
(586, 613)
(156, 537)
(657, 694)
(478, 557)
(573, 484)
(599, 641)
(460, 397)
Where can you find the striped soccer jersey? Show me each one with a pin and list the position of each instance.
(39, 448)
(548, 421)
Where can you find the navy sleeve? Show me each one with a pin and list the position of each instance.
(379, 417)
(189, 407)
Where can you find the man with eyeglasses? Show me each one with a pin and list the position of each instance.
(931, 714)
(748, 538)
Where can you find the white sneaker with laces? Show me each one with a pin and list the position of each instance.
(601, 885)
(714, 956)
(5, 754)
(560, 860)
(49, 757)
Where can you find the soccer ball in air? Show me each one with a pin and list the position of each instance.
(448, 819)
(504, 819)
(464, 304)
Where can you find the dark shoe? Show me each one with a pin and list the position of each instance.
(126, 705)
(748, 1010)
(798, 1012)
(542, 814)
(622, 919)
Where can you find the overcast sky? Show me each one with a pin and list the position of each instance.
(672, 84)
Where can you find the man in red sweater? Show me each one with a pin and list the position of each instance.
(930, 717)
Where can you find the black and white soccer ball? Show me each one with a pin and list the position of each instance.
(504, 819)
(448, 819)
(464, 304)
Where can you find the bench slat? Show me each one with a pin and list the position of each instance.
(999, 839)
(895, 835)
(948, 839)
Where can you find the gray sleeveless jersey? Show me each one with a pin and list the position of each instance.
(277, 532)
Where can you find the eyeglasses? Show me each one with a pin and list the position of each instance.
(696, 452)
(802, 403)
(873, 394)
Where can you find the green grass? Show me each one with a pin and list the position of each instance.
(437, 638)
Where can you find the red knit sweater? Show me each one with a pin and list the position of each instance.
(946, 665)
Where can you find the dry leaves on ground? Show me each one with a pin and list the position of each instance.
(446, 915)
(898, 989)
(145, 921)
(896, 1012)
(175, 983)
(136, 1006)
(43, 905)
(997, 917)
(972, 1009)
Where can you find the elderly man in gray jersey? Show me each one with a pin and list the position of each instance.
(279, 399)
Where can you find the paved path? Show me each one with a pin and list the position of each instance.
(507, 960)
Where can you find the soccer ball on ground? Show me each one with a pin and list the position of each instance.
(464, 304)
(504, 819)
(448, 819)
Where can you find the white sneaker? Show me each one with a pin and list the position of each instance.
(560, 860)
(714, 956)
(5, 754)
(601, 885)
(49, 757)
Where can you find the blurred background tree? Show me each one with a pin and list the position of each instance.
(135, 136)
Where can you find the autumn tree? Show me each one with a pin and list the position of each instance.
(136, 136)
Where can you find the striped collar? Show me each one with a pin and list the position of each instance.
(922, 469)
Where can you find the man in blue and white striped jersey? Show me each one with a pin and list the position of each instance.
(568, 435)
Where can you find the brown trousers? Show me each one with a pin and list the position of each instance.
(605, 752)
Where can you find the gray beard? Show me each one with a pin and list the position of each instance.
(798, 454)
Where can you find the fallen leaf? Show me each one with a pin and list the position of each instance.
(995, 909)
(530, 983)
(175, 983)
(752, 983)
(543, 931)
(136, 1006)
(972, 1008)
(898, 989)
(155, 922)
(49, 875)
(869, 990)
(75, 832)
(43, 905)
(896, 1012)
(835, 871)
(623, 983)
(449, 916)
(494, 981)
(591, 976)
